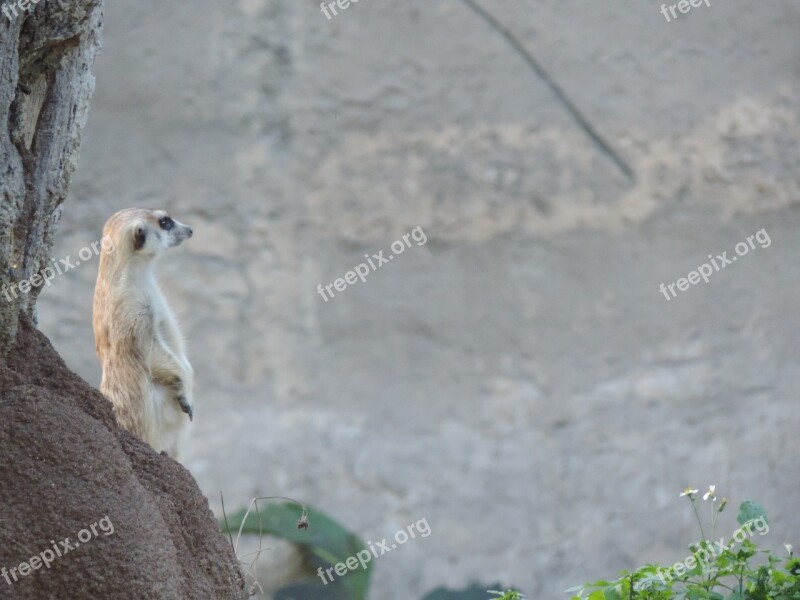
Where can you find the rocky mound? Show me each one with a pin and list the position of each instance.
(86, 509)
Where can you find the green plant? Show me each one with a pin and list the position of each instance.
(475, 591)
(713, 570)
(507, 595)
(322, 541)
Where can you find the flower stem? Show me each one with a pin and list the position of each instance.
(697, 516)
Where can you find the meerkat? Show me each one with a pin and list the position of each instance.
(146, 374)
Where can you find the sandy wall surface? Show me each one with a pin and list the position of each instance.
(518, 380)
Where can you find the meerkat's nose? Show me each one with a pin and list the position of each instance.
(191, 233)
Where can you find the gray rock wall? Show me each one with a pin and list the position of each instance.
(519, 380)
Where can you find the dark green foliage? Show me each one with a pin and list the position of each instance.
(734, 570)
(475, 592)
(323, 544)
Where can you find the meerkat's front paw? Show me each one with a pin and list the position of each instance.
(186, 407)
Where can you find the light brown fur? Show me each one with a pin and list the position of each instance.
(146, 375)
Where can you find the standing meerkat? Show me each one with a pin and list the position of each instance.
(146, 375)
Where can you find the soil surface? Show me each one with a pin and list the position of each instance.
(126, 521)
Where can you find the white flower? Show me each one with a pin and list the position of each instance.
(710, 492)
(687, 492)
(788, 548)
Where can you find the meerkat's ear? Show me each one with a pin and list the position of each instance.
(139, 237)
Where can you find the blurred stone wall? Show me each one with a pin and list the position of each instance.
(519, 380)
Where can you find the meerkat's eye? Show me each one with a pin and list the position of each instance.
(166, 223)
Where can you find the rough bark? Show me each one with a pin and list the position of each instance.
(65, 462)
(45, 59)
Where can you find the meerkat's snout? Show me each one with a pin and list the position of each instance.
(156, 231)
(177, 233)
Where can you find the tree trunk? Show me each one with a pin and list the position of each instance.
(45, 58)
(67, 470)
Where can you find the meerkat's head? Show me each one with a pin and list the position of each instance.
(142, 232)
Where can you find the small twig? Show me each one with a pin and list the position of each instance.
(225, 517)
(241, 556)
(302, 523)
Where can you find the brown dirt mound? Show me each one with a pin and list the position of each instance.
(66, 466)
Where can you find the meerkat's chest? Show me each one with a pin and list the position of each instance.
(162, 315)
(162, 318)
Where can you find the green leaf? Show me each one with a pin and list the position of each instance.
(305, 591)
(749, 511)
(325, 543)
(475, 592)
